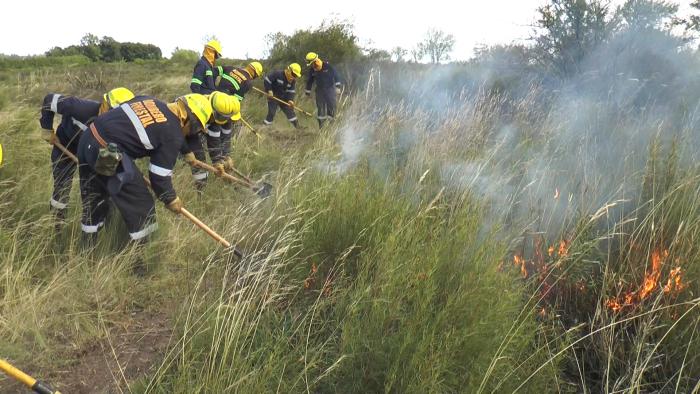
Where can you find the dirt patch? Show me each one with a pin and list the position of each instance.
(131, 350)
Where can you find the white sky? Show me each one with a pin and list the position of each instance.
(36, 27)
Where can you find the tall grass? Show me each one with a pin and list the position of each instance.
(384, 261)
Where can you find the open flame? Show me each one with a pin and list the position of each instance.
(520, 262)
(674, 284)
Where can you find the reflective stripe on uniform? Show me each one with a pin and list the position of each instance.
(233, 81)
(209, 73)
(226, 131)
(240, 98)
(159, 170)
(268, 80)
(293, 119)
(140, 130)
(291, 91)
(58, 204)
(213, 133)
(140, 234)
(321, 117)
(91, 229)
(307, 91)
(200, 176)
(279, 81)
(197, 81)
(54, 102)
(80, 124)
(266, 121)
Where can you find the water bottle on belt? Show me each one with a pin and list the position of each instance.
(108, 160)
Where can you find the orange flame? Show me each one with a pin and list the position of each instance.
(563, 248)
(650, 283)
(550, 251)
(519, 261)
(675, 281)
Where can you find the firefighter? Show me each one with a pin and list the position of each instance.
(225, 110)
(75, 113)
(281, 84)
(327, 86)
(235, 82)
(203, 74)
(143, 126)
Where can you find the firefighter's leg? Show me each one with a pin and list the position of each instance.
(137, 207)
(229, 133)
(331, 103)
(291, 116)
(271, 110)
(95, 206)
(63, 169)
(199, 175)
(138, 210)
(321, 110)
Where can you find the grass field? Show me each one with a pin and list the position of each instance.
(483, 244)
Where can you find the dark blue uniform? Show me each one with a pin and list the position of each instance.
(203, 77)
(326, 80)
(140, 127)
(283, 90)
(233, 81)
(76, 114)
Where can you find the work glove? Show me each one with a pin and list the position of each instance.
(190, 159)
(175, 205)
(48, 136)
(270, 94)
(228, 163)
(291, 103)
(219, 167)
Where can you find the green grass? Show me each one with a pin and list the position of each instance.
(383, 262)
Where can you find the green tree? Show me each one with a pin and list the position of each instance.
(184, 56)
(648, 14)
(398, 54)
(90, 46)
(437, 45)
(333, 40)
(110, 49)
(569, 30)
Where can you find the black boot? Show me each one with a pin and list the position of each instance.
(320, 123)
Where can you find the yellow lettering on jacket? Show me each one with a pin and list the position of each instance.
(148, 113)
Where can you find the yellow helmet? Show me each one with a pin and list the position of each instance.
(215, 45)
(257, 67)
(224, 107)
(199, 107)
(295, 69)
(117, 97)
(310, 57)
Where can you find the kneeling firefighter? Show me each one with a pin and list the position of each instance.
(141, 127)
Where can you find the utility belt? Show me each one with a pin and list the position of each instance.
(108, 158)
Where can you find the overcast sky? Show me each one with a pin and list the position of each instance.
(33, 27)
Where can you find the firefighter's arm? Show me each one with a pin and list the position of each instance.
(309, 82)
(48, 110)
(160, 172)
(198, 78)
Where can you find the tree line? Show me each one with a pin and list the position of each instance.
(107, 49)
